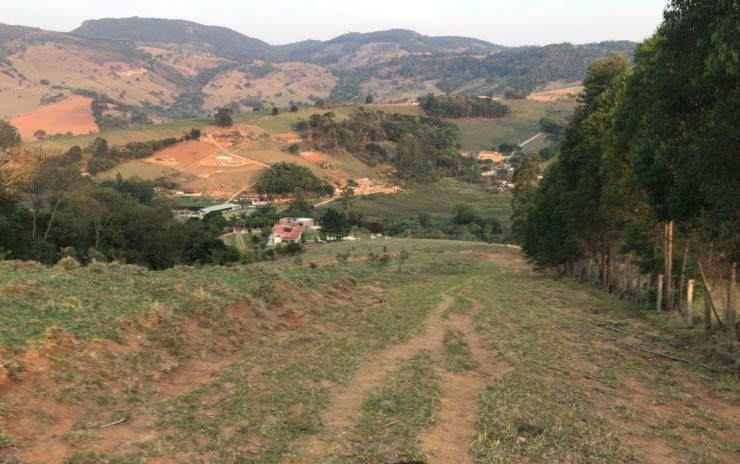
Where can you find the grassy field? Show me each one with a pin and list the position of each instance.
(133, 134)
(135, 168)
(438, 200)
(521, 124)
(459, 354)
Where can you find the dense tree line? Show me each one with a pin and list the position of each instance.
(285, 178)
(651, 159)
(455, 106)
(49, 210)
(421, 149)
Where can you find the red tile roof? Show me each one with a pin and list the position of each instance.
(286, 233)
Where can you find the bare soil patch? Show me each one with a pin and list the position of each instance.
(52, 417)
(313, 157)
(216, 170)
(73, 114)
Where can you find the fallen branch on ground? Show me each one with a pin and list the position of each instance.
(119, 421)
(651, 352)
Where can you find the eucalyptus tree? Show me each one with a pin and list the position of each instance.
(681, 110)
(569, 220)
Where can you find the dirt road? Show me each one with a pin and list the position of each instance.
(449, 440)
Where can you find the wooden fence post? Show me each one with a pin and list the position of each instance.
(669, 267)
(659, 299)
(689, 302)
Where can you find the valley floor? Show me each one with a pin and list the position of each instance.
(460, 354)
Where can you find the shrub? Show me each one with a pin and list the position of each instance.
(67, 264)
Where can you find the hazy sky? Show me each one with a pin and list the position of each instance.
(510, 22)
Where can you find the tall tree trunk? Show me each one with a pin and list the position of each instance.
(731, 316)
(98, 228)
(35, 207)
(707, 313)
(708, 294)
(628, 277)
(604, 266)
(647, 290)
(613, 275)
(59, 199)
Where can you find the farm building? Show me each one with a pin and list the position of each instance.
(297, 223)
(494, 156)
(225, 159)
(283, 234)
(222, 208)
(188, 193)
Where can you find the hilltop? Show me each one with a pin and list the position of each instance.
(145, 69)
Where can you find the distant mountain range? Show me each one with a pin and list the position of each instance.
(231, 44)
(176, 68)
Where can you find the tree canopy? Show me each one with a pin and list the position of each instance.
(458, 106)
(9, 136)
(223, 117)
(650, 146)
(285, 178)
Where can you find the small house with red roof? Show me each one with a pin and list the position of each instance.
(283, 234)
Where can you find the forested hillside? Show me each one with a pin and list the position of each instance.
(421, 149)
(173, 69)
(219, 40)
(647, 174)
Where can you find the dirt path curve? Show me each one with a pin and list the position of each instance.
(212, 141)
(346, 401)
(449, 440)
(530, 139)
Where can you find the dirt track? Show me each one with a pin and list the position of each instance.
(449, 440)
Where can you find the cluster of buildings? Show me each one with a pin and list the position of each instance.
(289, 230)
(501, 169)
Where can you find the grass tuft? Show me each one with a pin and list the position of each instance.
(457, 356)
